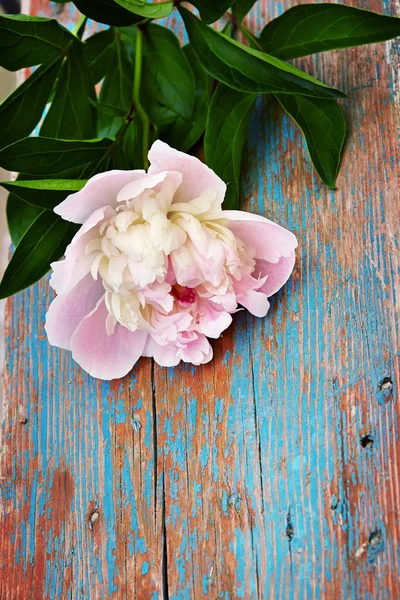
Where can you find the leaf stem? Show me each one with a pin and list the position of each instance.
(80, 27)
(250, 37)
(136, 94)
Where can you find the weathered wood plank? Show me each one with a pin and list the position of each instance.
(272, 472)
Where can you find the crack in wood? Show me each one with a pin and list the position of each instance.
(155, 448)
(164, 557)
(164, 564)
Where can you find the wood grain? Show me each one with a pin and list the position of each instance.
(272, 472)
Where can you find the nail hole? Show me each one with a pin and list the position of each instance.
(386, 385)
(375, 538)
(234, 500)
(375, 545)
(289, 531)
(23, 420)
(136, 425)
(94, 515)
(334, 503)
(366, 441)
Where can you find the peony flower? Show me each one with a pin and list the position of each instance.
(158, 267)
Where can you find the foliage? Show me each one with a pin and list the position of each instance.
(100, 101)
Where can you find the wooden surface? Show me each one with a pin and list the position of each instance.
(272, 472)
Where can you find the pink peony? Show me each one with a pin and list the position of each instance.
(158, 267)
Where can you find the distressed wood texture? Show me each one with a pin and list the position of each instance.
(272, 472)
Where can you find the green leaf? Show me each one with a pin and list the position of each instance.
(46, 193)
(241, 8)
(29, 41)
(20, 217)
(310, 28)
(128, 38)
(248, 70)
(324, 127)
(22, 110)
(212, 10)
(107, 109)
(168, 88)
(46, 157)
(148, 10)
(202, 98)
(129, 150)
(116, 90)
(98, 52)
(107, 12)
(43, 242)
(71, 115)
(226, 131)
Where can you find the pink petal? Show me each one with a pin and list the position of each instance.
(100, 190)
(213, 327)
(186, 270)
(271, 241)
(167, 328)
(212, 320)
(134, 188)
(106, 356)
(165, 356)
(67, 311)
(255, 302)
(76, 264)
(274, 247)
(197, 352)
(197, 177)
(277, 274)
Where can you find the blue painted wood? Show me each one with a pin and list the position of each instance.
(273, 472)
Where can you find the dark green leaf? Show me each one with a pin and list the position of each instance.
(116, 90)
(44, 242)
(168, 87)
(22, 110)
(46, 193)
(20, 217)
(147, 10)
(28, 41)
(202, 98)
(226, 132)
(71, 115)
(37, 156)
(107, 11)
(111, 111)
(241, 8)
(310, 28)
(98, 51)
(129, 151)
(212, 10)
(248, 70)
(128, 38)
(324, 127)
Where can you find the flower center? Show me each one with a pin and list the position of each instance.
(184, 295)
(145, 237)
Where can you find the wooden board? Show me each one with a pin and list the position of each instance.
(272, 472)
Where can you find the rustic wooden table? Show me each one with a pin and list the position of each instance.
(272, 472)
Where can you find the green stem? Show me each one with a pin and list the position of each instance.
(80, 27)
(136, 94)
(250, 37)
